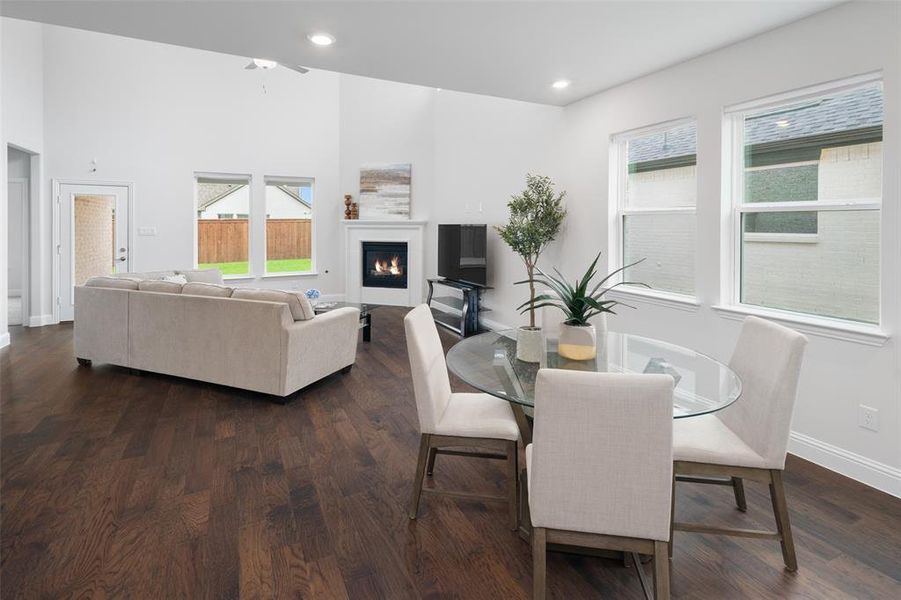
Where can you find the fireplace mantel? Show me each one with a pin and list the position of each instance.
(358, 231)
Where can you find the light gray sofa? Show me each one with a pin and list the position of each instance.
(249, 344)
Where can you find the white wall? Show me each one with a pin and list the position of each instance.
(18, 167)
(22, 123)
(838, 375)
(154, 115)
(469, 153)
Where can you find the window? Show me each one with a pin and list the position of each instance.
(289, 225)
(223, 224)
(807, 191)
(655, 184)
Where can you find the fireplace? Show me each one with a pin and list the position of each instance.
(384, 264)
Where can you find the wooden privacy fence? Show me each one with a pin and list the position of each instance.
(225, 240)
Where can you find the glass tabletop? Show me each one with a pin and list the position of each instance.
(488, 363)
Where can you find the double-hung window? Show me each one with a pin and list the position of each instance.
(223, 223)
(654, 183)
(289, 225)
(806, 192)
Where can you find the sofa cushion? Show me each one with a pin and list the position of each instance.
(176, 278)
(149, 275)
(301, 309)
(197, 288)
(121, 283)
(202, 276)
(160, 286)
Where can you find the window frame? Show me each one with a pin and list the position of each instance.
(618, 171)
(735, 208)
(247, 178)
(276, 180)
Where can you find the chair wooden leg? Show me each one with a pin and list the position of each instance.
(424, 446)
(738, 487)
(539, 563)
(672, 518)
(433, 453)
(783, 525)
(661, 570)
(513, 466)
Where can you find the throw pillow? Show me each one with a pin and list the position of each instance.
(202, 276)
(176, 279)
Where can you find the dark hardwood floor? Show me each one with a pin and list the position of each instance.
(127, 485)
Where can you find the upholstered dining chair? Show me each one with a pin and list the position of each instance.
(451, 423)
(600, 467)
(747, 440)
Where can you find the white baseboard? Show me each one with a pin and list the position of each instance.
(41, 320)
(4, 340)
(860, 468)
(492, 325)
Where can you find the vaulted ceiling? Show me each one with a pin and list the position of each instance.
(508, 49)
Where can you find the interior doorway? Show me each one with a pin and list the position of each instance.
(94, 237)
(18, 235)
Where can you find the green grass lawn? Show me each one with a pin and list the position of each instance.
(290, 265)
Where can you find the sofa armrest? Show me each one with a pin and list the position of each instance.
(320, 346)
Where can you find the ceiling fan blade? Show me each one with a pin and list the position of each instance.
(298, 68)
(251, 66)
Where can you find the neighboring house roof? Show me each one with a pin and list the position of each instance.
(294, 192)
(211, 193)
(858, 109)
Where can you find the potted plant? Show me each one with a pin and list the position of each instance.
(536, 216)
(578, 338)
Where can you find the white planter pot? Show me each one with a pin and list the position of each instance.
(530, 344)
(577, 342)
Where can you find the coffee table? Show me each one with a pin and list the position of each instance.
(365, 313)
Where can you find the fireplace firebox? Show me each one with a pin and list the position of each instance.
(385, 264)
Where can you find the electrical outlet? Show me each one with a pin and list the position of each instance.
(868, 418)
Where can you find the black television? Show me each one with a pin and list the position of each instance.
(462, 253)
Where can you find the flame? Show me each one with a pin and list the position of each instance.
(392, 267)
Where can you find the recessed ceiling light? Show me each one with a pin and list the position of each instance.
(782, 123)
(264, 63)
(321, 39)
(560, 84)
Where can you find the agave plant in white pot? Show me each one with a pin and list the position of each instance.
(578, 337)
(536, 216)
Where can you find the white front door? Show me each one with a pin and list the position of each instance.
(93, 237)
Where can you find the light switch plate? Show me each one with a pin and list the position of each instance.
(146, 230)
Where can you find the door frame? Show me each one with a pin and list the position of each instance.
(56, 250)
(25, 292)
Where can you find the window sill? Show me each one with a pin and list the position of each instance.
(238, 277)
(836, 329)
(290, 274)
(667, 299)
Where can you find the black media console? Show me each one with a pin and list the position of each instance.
(466, 323)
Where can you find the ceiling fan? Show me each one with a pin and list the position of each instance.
(266, 64)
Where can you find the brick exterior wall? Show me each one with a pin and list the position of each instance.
(834, 274)
(94, 239)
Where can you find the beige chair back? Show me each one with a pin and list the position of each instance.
(431, 384)
(602, 453)
(768, 360)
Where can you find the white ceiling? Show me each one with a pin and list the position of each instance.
(507, 49)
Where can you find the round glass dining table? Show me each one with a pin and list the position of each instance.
(488, 362)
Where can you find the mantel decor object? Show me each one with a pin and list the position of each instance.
(347, 203)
